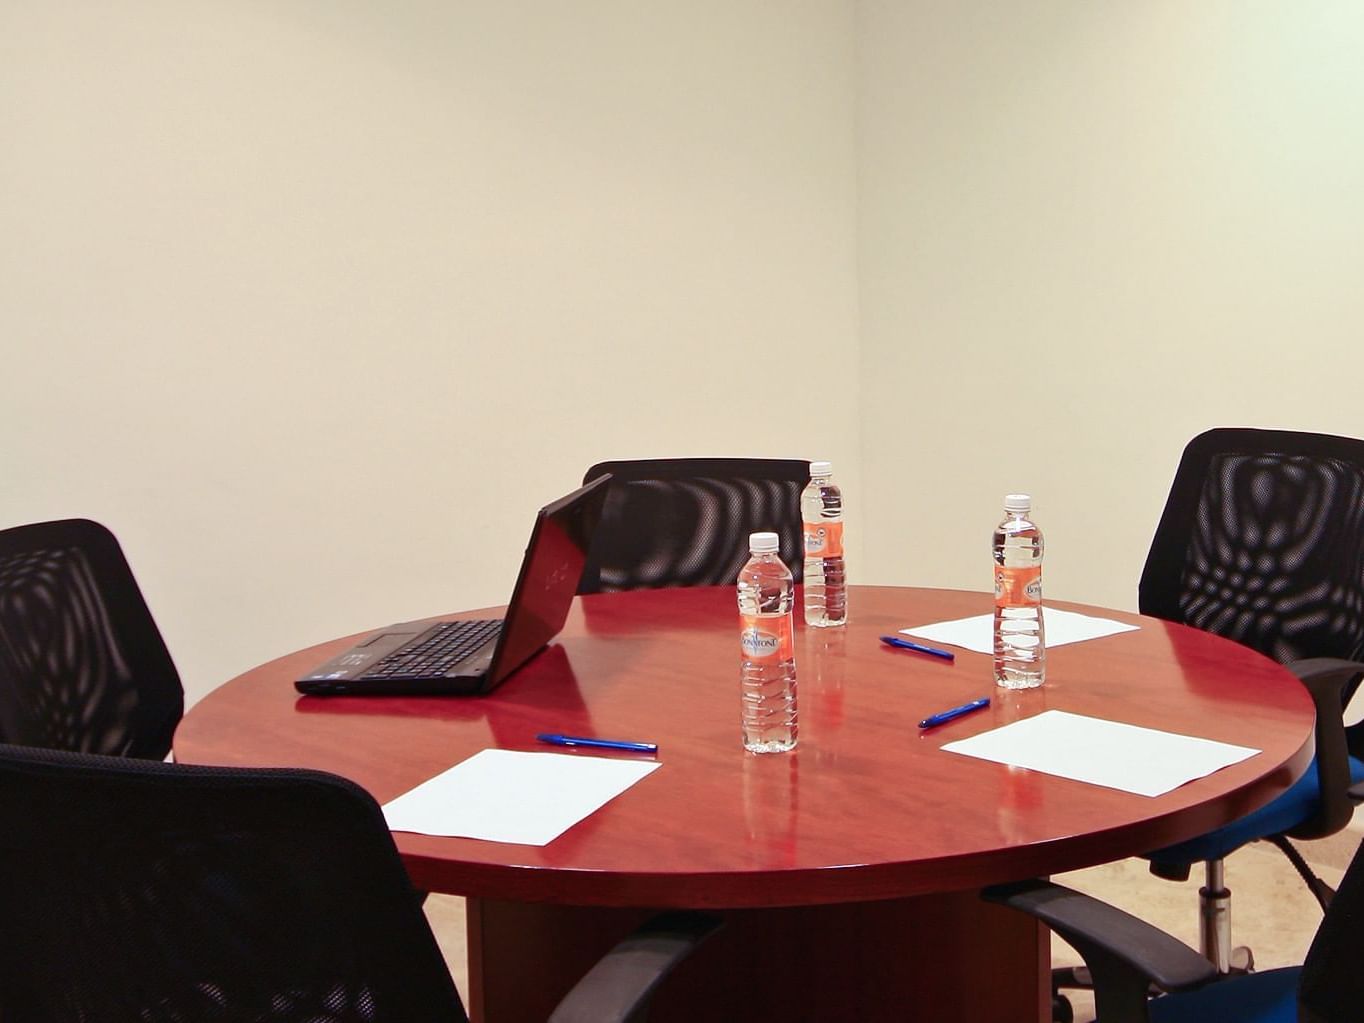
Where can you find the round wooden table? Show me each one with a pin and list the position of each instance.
(847, 870)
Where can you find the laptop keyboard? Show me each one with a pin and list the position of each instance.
(434, 654)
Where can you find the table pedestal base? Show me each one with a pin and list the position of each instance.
(940, 957)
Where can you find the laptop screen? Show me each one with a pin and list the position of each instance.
(549, 577)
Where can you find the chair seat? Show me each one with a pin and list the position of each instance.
(1270, 997)
(1283, 814)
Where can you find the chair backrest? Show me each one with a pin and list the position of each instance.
(141, 890)
(685, 521)
(1331, 987)
(82, 664)
(1262, 541)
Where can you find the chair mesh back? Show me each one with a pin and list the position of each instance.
(82, 664)
(686, 521)
(1331, 987)
(138, 890)
(1262, 541)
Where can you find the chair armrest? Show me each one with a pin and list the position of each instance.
(1125, 955)
(618, 988)
(1326, 679)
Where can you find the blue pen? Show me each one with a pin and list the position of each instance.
(905, 644)
(574, 740)
(956, 712)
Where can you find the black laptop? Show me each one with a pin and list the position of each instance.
(476, 655)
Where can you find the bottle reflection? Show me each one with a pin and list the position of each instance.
(1021, 796)
(771, 806)
(1016, 704)
(822, 677)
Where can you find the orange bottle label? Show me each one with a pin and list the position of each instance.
(824, 539)
(1014, 586)
(766, 638)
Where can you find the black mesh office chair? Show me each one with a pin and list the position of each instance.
(1262, 541)
(82, 665)
(685, 521)
(140, 890)
(1128, 956)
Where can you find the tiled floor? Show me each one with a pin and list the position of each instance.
(1271, 910)
(446, 913)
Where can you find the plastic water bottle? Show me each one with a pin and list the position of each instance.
(1020, 644)
(821, 509)
(767, 675)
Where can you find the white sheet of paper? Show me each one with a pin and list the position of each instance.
(507, 796)
(1061, 627)
(1127, 757)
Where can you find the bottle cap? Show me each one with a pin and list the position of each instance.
(1018, 503)
(763, 543)
(821, 468)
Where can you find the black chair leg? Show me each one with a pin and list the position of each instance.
(1320, 890)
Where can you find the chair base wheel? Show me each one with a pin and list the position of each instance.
(1242, 961)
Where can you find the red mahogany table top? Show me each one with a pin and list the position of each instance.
(866, 808)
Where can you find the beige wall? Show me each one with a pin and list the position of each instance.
(257, 257)
(1088, 231)
(314, 303)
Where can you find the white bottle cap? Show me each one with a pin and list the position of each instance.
(1020, 504)
(763, 543)
(821, 468)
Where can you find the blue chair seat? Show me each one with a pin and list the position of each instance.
(1270, 997)
(1284, 813)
